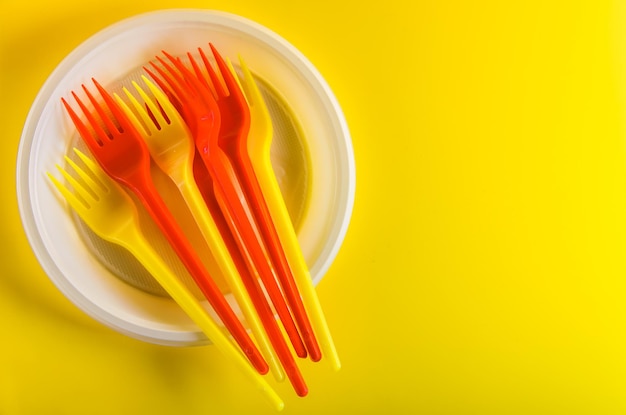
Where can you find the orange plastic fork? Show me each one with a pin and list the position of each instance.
(235, 125)
(123, 155)
(196, 104)
(233, 241)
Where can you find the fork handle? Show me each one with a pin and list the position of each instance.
(158, 210)
(289, 240)
(136, 243)
(232, 203)
(209, 229)
(233, 241)
(238, 152)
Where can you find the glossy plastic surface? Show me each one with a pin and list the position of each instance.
(234, 135)
(259, 143)
(171, 146)
(310, 128)
(110, 212)
(231, 228)
(122, 153)
(200, 110)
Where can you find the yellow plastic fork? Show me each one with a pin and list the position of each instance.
(110, 212)
(259, 144)
(171, 147)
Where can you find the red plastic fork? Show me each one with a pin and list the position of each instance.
(235, 124)
(199, 109)
(123, 155)
(233, 242)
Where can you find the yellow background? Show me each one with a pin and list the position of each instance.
(484, 270)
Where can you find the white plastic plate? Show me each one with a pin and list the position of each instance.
(109, 56)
